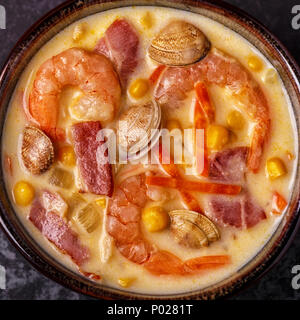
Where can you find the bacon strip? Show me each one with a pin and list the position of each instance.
(120, 44)
(56, 230)
(92, 158)
(205, 187)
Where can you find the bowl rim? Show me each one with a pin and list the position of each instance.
(63, 275)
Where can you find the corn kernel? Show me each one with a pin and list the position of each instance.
(23, 193)
(125, 282)
(255, 63)
(217, 137)
(235, 120)
(173, 124)
(139, 88)
(101, 202)
(275, 168)
(147, 20)
(155, 219)
(67, 156)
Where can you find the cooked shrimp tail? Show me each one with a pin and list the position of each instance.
(92, 73)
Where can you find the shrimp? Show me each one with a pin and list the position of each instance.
(220, 69)
(123, 224)
(92, 73)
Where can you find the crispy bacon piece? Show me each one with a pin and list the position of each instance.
(92, 158)
(206, 187)
(120, 44)
(55, 229)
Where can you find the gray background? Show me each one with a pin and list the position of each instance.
(24, 282)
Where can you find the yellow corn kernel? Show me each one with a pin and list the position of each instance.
(125, 282)
(275, 168)
(155, 219)
(67, 156)
(23, 193)
(79, 31)
(235, 120)
(147, 20)
(217, 137)
(255, 63)
(139, 88)
(101, 202)
(173, 124)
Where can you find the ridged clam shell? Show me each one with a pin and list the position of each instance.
(192, 229)
(178, 44)
(136, 128)
(37, 150)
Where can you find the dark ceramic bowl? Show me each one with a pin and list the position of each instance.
(69, 12)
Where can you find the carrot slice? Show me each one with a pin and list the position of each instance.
(156, 74)
(207, 262)
(191, 202)
(8, 164)
(204, 100)
(173, 171)
(201, 151)
(186, 185)
(170, 168)
(278, 203)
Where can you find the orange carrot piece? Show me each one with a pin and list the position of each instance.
(204, 101)
(181, 184)
(191, 202)
(170, 168)
(201, 152)
(207, 262)
(8, 164)
(278, 203)
(173, 171)
(156, 74)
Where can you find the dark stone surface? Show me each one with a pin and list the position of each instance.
(23, 282)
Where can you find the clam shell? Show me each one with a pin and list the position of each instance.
(188, 228)
(37, 150)
(136, 128)
(178, 44)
